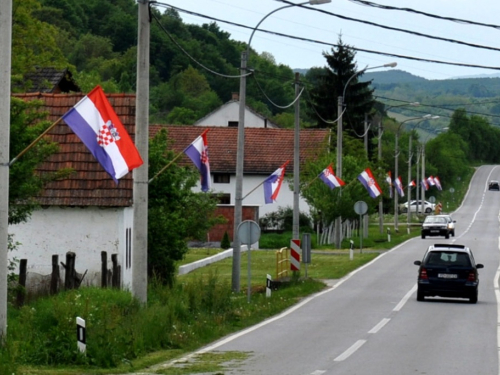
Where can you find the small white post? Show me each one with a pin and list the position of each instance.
(388, 234)
(268, 285)
(351, 251)
(80, 335)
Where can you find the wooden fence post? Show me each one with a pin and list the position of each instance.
(69, 279)
(116, 280)
(21, 292)
(54, 278)
(104, 269)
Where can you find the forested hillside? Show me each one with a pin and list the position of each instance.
(97, 40)
(479, 96)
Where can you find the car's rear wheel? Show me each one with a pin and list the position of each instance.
(423, 236)
(420, 295)
(428, 210)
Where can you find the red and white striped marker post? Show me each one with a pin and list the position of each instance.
(295, 252)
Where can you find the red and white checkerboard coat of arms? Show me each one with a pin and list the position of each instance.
(107, 134)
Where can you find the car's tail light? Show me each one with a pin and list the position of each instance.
(472, 276)
(423, 274)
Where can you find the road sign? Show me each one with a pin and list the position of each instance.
(248, 232)
(360, 207)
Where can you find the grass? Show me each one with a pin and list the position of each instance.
(123, 336)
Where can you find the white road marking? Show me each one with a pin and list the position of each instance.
(358, 344)
(405, 299)
(379, 326)
(318, 372)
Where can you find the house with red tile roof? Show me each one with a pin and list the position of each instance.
(228, 115)
(88, 213)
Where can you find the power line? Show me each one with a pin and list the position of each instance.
(329, 44)
(395, 28)
(410, 10)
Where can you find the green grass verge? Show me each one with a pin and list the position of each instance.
(124, 337)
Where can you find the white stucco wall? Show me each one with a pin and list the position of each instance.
(285, 197)
(230, 112)
(84, 231)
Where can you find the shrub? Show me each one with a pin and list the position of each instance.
(225, 244)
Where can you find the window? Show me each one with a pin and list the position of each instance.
(233, 124)
(221, 178)
(224, 198)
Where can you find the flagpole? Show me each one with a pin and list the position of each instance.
(35, 141)
(255, 188)
(165, 167)
(177, 157)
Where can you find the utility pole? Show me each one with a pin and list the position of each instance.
(5, 65)
(238, 194)
(338, 219)
(140, 175)
(380, 199)
(296, 161)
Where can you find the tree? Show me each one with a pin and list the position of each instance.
(34, 43)
(328, 84)
(27, 123)
(175, 213)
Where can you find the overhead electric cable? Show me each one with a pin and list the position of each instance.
(331, 44)
(410, 10)
(394, 28)
(192, 58)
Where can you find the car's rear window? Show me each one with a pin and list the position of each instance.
(448, 259)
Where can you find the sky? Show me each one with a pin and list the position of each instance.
(326, 28)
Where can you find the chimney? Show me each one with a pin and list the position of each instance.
(236, 97)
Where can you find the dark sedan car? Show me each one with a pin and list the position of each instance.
(448, 271)
(438, 225)
(494, 185)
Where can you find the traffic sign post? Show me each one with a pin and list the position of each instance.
(360, 208)
(248, 233)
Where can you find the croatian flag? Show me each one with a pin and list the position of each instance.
(368, 181)
(399, 186)
(438, 183)
(272, 184)
(95, 122)
(430, 180)
(330, 179)
(198, 153)
(412, 184)
(388, 179)
(425, 185)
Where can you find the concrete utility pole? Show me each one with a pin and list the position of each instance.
(296, 161)
(238, 193)
(140, 205)
(338, 219)
(5, 64)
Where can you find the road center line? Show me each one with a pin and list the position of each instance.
(379, 326)
(405, 299)
(358, 344)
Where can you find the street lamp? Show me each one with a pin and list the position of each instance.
(396, 155)
(238, 200)
(409, 169)
(380, 131)
(340, 111)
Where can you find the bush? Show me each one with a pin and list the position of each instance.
(282, 219)
(225, 244)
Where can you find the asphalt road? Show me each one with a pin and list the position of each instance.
(371, 323)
